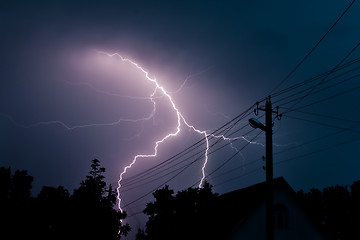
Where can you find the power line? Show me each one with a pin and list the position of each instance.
(325, 88)
(192, 147)
(286, 150)
(317, 139)
(325, 77)
(322, 89)
(145, 173)
(168, 180)
(312, 50)
(182, 168)
(141, 197)
(323, 124)
(321, 75)
(326, 74)
(186, 166)
(326, 116)
(289, 159)
(319, 150)
(324, 99)
(229, 159)
(142, 178)
(279, 162)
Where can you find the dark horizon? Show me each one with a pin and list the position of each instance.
(333, 211)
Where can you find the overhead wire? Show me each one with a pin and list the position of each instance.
(325, 77)
(168, 180)
(286, 150)
(336, 145)
(187, 165)
(312, 49)
(193, 146)
(323, 124)
(311, 80)
(153, 172)
(311, 87)
(324, 99)
(326, 116)
(162, 184)
(229, 159)
(230, 142)
(201, 153)
(141, 197)
(317, 139)
(286, 160)
(318, 91)
(187, 150)
(327, 98)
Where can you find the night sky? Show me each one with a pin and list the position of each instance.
(61, 100)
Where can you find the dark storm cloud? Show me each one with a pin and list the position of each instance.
(236, 51)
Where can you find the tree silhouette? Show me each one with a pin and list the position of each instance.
(53, 213)
(355, 210)
(15, 203)
(95, 216)
(176, 217)
(161, 214)
(335, 209)
(88, 214)
(20, 190)
(5, 185)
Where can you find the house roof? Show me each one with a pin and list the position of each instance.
(245, 199)
(227, 211)
(231, 209)
(254, 193)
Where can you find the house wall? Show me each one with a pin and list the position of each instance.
(298, 227)
(253, 227)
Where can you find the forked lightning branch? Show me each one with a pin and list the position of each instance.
(180, 122)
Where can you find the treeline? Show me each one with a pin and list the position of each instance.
(88, 213)
(336, 209)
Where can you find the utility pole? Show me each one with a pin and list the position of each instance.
(269, 172)
(270, 218)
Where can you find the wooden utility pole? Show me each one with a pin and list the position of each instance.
(269, 172)
(270, 218)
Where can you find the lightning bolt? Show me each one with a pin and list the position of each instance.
(180, 120)
(73, 127)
